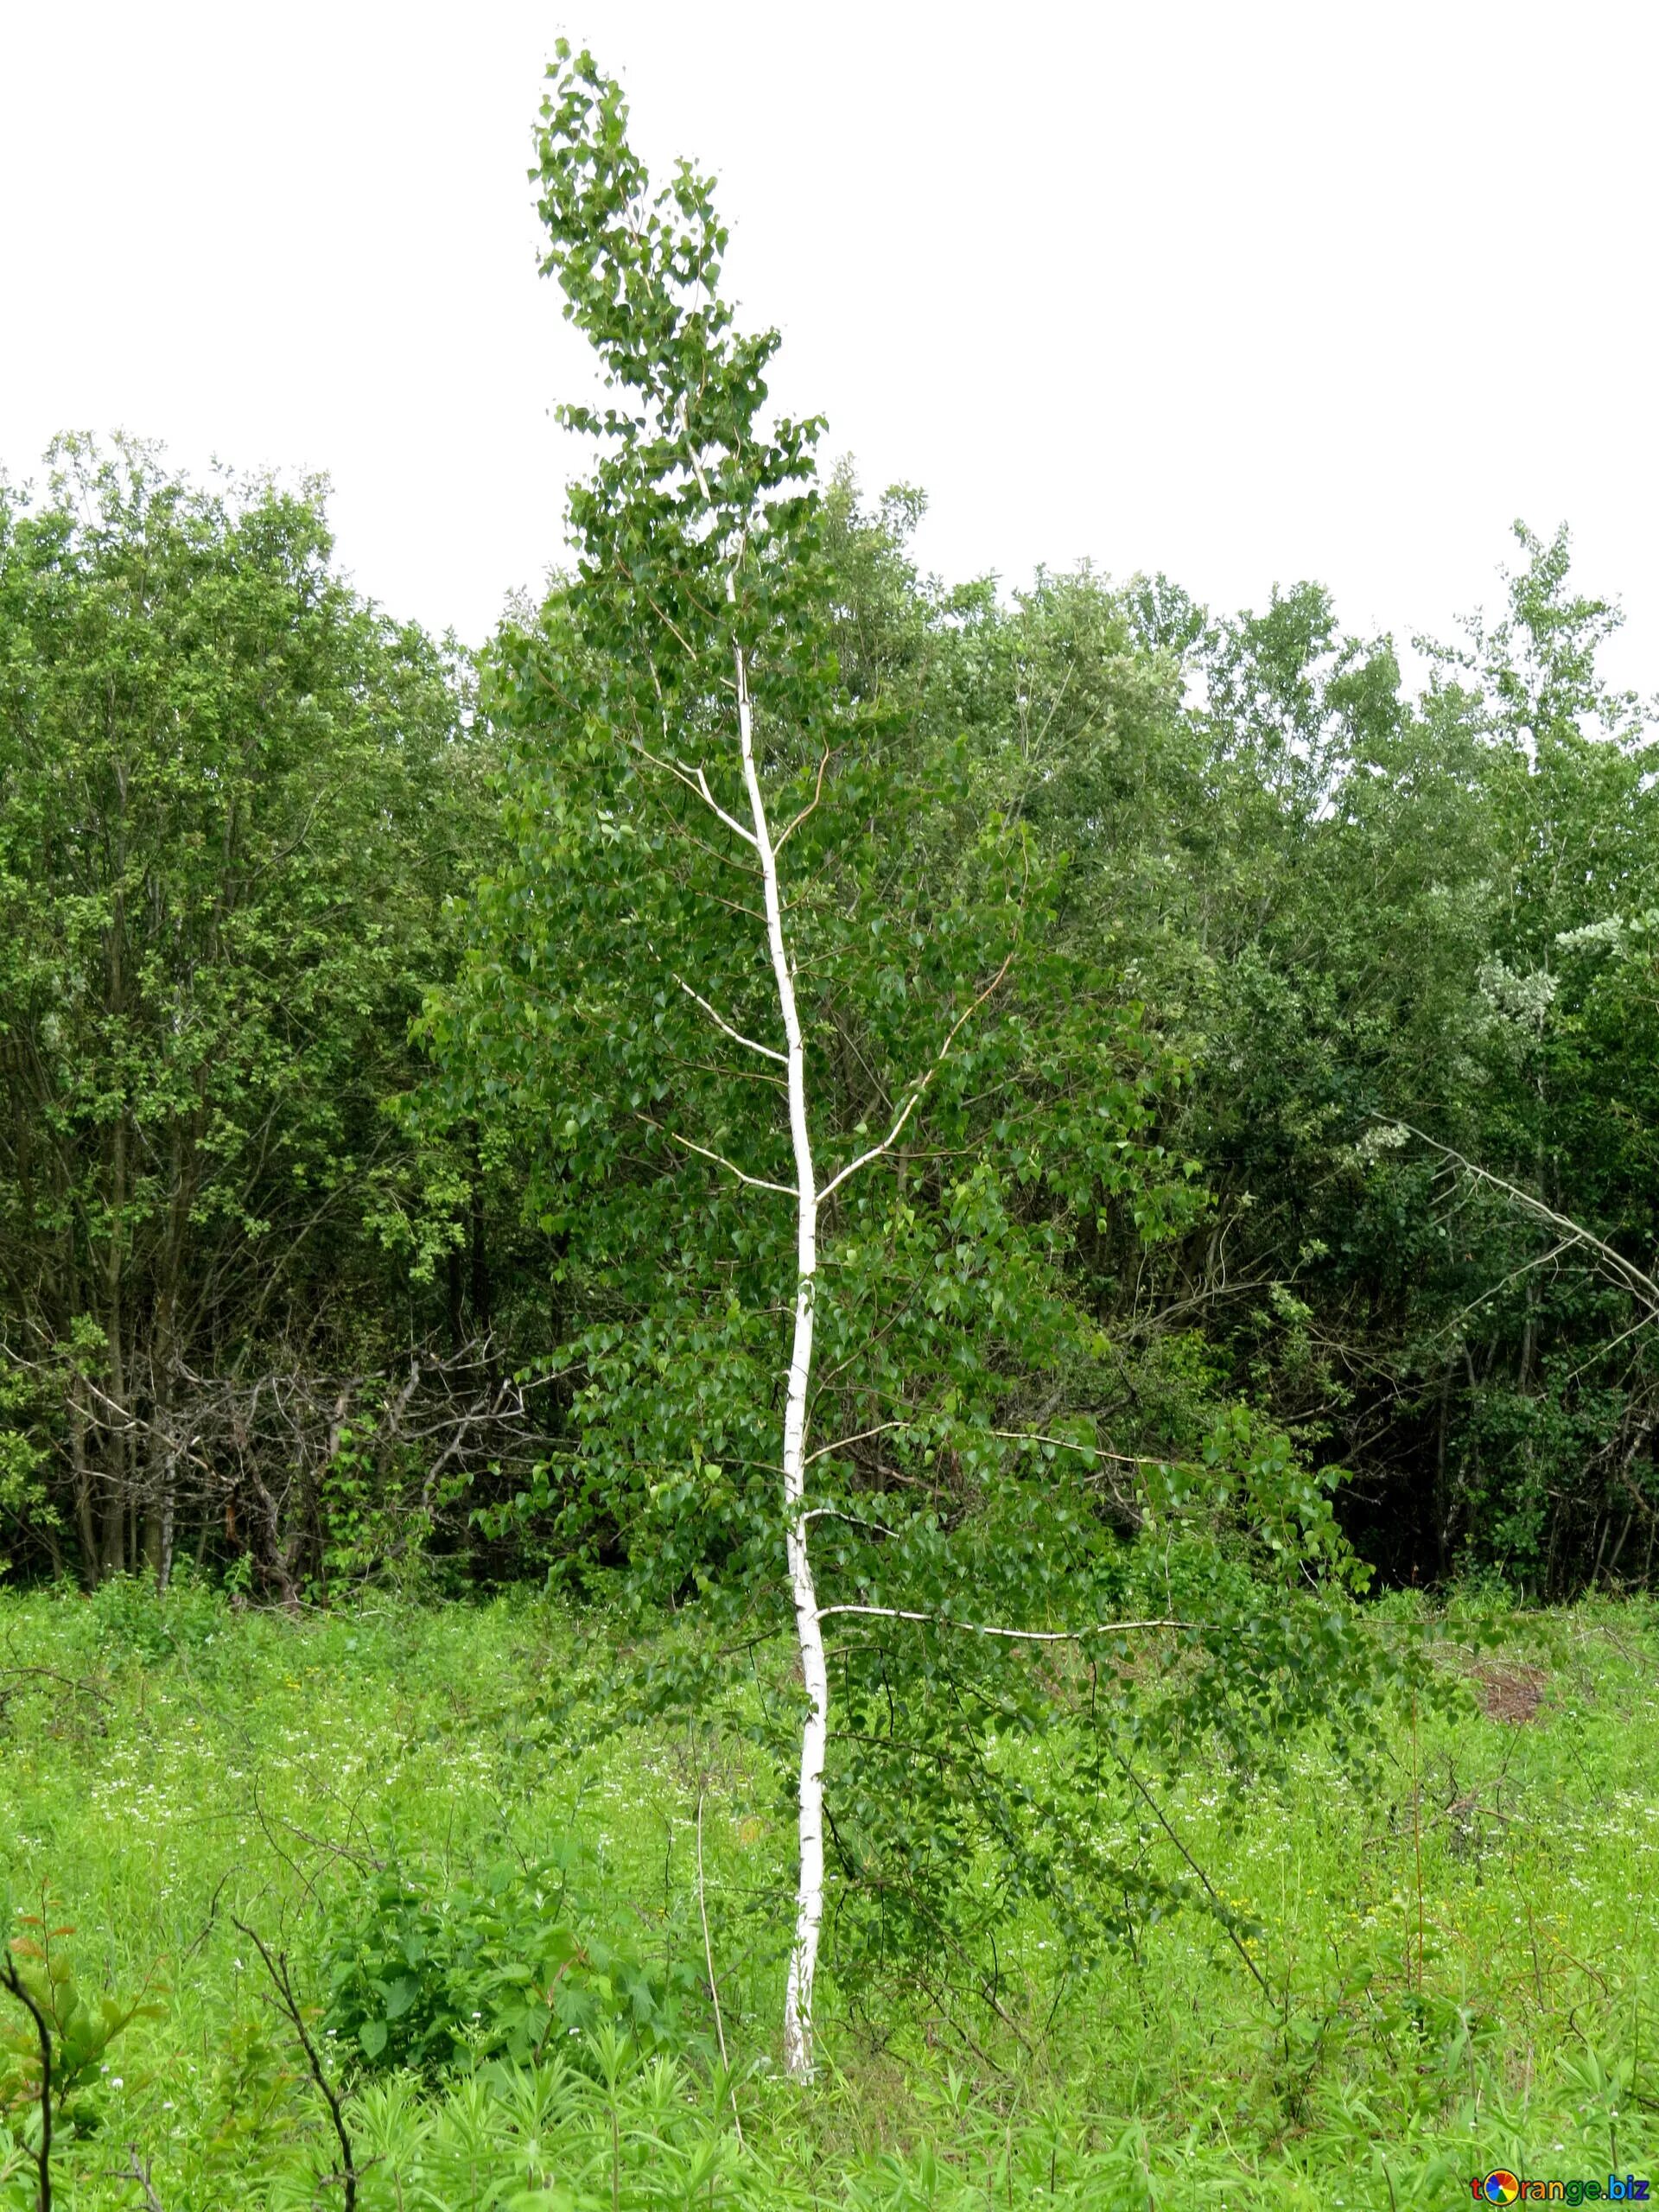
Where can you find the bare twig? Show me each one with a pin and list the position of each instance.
(138, 2169)
(207, 1925)
(714, 1986)
(783, 839)
(1222, 1911)
(1079, 1444)
(860, 1436)
(288, 2004)
(51, 1674)
(697, 782)
(754, 1182)
(720, 1023)
(12, 1980)
(853, 1520)
(1629, 1274)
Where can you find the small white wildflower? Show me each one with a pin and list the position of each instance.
(116, 2083)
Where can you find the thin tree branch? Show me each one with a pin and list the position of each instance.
(1013, 1634)
(730, 820)
(1005, 1436)
(1498, 1288)
(288, 2005)
(853, 1520)
(138, 2169)
(1644, 1285)
(714, 1986)
(780, 842)
(918, 1088)
(754, 1182)
(1221, 1912)
(861, 1436)
(12, 1980)
(1076, 1444)
(52, 1675)
(720, 1023)
(697, 784)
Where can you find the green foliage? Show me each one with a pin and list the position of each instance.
(976, 1282)
(133, 1620)
(233, 799)
(499, 1964)
(1501, 2011)
(1433, 894)
(248, 2111)
(1227, 1264)
(81, 2024)
(1343, 908)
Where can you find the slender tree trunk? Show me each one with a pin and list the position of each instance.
(114, 1560)
(161, 1473)
(809, 1905)
(81, 1476)
(164, 1565)
(1448, 1505)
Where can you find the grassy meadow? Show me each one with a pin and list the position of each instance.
(1456, 1961)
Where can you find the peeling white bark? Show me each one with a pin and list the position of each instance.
(809, 1903)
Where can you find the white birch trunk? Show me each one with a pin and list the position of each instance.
(809, 1909)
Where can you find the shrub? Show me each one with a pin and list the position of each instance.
(497, 1966)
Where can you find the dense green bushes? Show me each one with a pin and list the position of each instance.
(266, 1267)
(505, 1963)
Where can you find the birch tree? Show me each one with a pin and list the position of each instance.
(829, 1133)
(695, 617)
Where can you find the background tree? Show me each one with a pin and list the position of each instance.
(233, 799)
(1383, 909)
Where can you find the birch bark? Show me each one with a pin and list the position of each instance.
(809, 1903)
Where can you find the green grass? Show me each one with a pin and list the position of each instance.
(166, 1772)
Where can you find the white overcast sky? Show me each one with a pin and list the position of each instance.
(1246, 291)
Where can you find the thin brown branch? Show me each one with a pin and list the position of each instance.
(288, 2005)
(138, 2169)
(714, 1986)
(1221, 1912)
(1642, 1285)
(780, 842)
(10, 1978)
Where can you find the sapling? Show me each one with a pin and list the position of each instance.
(820, 1101)
(57, 2057)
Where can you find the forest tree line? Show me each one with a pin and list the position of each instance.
(1329, 993)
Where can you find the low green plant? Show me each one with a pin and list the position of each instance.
(248, 2106)
(495, 1966)
(136, 1620)
(77, 2026)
